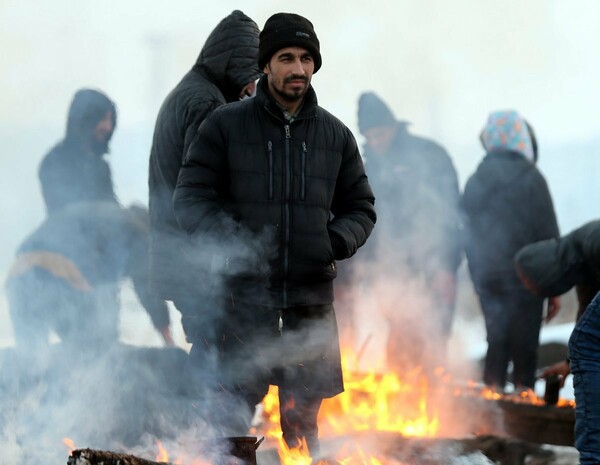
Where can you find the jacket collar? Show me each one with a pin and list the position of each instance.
(264, 98)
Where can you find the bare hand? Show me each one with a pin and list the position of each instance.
(165, 332)
(553, 308)
(562, 369)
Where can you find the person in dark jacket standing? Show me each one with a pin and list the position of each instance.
(552, 267)
(507, 205)
(75, 169)
(279, 184)
(416, 248)
(226, 70)
(66, 273)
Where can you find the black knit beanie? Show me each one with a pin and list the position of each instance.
(373, 112)
(287, 30)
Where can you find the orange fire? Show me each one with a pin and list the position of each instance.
(370, 402)
(162, 455)
(350, 454)
(387, 402)
(70, 445)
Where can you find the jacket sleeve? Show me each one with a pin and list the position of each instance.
(50, 178)
(449, 221)
(197, 114)
(546, 226)
(155, 307)
(138, 270)
(353, 204)
(67, 183)
(199, 201)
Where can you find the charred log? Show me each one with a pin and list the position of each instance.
(441, 451)
(98, 457)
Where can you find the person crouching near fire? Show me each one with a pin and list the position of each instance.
(552, 267)
(65, 277)
(279, 184)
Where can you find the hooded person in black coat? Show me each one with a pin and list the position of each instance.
(75, 169)
(278, 184)
(416, 249)
(224, 72)
(507, 205)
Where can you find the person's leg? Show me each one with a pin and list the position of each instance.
(497, 327)
(30, 302)
(231, 375)
(299, 419)
(200, 314)
(526, 319)
(584, 352)
(310, 371)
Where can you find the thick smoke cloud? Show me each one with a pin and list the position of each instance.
(442, 66)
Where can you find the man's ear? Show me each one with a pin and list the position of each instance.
(266, 69)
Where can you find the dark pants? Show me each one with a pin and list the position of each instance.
(512, 320)
(303, 360)
(584, 352)
(199, 316)
(40, 302)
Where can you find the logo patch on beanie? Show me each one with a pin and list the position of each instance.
(302, 34)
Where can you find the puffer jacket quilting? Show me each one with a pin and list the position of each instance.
(302, 186)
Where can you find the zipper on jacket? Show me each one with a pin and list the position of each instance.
(270, 148)
(303, 182)
(288, 188)
(280, 326)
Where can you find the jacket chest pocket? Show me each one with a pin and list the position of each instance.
(300, 167)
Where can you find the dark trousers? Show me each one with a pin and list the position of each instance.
(40, 302)
(252, 353)
(584, 352)
(512, 320)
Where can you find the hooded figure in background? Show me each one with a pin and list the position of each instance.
(416, 248)
(66, 274)
(75, 169)
(552, 267)
(224, 72)
(507, 205)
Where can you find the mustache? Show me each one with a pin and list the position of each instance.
(295, 77)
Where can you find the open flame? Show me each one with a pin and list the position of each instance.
(402, 403)
(389, 402)
(370, 402)
(70, 445)
(162, 455)
(527, 396)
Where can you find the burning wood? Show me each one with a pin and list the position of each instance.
(98, 457)
(524, 416)
(376, 448)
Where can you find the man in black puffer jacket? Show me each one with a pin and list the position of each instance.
(507, 205)
(279, 185)
(75, 170)
(225, 71)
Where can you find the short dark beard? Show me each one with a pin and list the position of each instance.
(292, 97)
